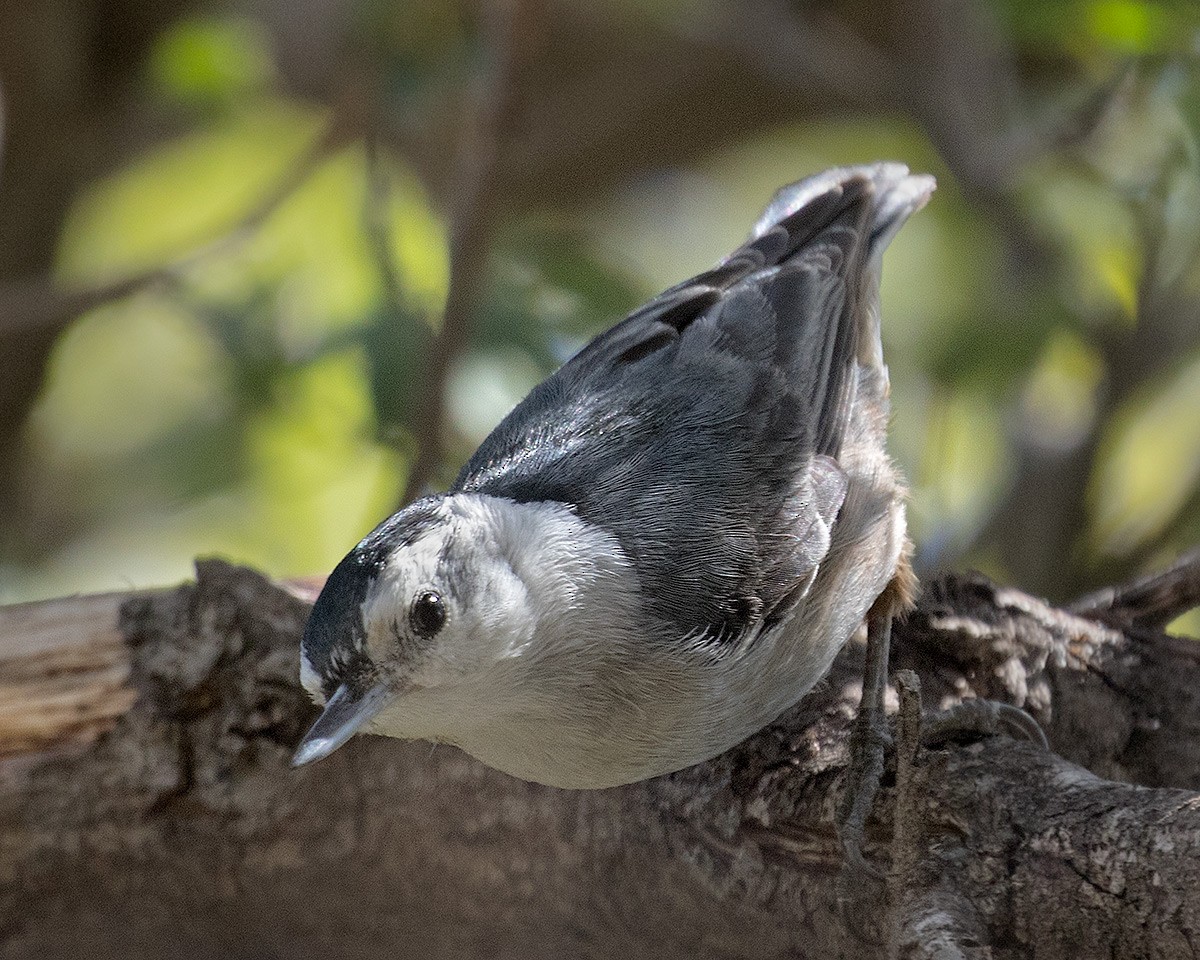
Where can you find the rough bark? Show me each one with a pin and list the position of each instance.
(180, 830)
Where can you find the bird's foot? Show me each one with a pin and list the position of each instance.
(869, 744)
(871, 739)
(973, 719)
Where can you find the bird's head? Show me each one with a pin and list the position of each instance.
(412, 620)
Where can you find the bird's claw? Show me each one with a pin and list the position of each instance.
(977, 718)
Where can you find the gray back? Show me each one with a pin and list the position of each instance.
(703, 430)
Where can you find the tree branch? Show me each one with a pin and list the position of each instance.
(64, 672)
(182, 831)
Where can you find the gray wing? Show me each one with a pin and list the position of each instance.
(703, 431)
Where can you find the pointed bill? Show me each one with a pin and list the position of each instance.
(345, 714)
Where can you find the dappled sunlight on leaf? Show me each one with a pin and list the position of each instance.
(1150, 465)
(1132, 26)
(184, 194)
(1058, 404)
(318, 479)
(211, 60)
(124, 376)
(1186, 626)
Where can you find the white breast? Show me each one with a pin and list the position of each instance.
(598, 697)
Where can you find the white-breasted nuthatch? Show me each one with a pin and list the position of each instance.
(664, 546)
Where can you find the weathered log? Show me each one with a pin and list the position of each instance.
(64, 672)
(181, 831)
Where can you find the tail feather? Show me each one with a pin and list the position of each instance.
(897, 195)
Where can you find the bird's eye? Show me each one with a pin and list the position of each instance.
(428, 614)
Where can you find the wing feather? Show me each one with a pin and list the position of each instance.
(703, 431)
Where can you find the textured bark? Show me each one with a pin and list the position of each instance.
(64, 672)
(181, 831)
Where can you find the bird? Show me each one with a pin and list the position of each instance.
(663, 547)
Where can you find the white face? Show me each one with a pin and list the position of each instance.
(512, 630)
(449, 606)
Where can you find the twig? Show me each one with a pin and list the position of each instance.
(470, 230)
(376, 218)
(1152, 601)
(40, 305)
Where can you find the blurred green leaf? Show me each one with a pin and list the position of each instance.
(210, 61)
(1090, 29)
(320, 480)
(1150, 464)
(125, 375)
(184, 194)
(314, 253)
(1129, 26)
(1187, 625)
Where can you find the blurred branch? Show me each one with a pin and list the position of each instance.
(960, 82)
(3, 120)
(933, 73)
(42, 305)
(470, 231)
(1152, 601)
(966, 111)
(377, 217)
(770, 38)
(1063, 126)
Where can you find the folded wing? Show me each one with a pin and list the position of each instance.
(704, 430)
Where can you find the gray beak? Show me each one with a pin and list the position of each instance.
(344, 715)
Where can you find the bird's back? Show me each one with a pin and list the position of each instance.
(713, 432)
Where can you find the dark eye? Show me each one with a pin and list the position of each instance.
(428, 614)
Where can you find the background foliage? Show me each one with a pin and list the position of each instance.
(226, 234)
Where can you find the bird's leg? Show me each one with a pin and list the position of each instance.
(871, 737)
(869, 742)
